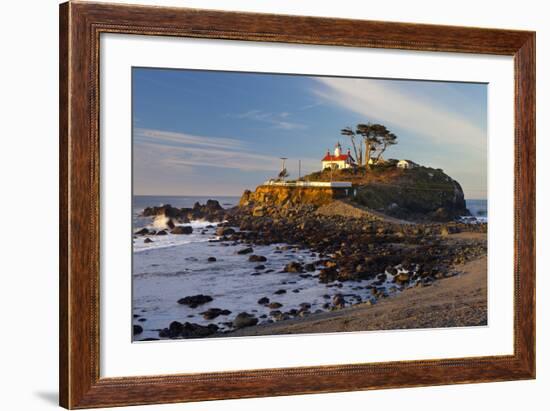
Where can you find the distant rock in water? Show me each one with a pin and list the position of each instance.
(211, 211)
(419, 193)
(194, 301)
(182, 229)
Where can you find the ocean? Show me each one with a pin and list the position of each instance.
(176, 266)
(478, 209)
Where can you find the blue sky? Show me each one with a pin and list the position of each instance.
(218, 133)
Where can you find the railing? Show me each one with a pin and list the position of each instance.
(333, 184)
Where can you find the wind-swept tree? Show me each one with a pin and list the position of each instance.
(375, 137)
(388, 139)
(372, 134)
(357, 150)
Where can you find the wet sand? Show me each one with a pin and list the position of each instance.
(458, 301)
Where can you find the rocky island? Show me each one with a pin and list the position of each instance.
(386, 247)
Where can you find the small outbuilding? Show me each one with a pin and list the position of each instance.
(406, 164)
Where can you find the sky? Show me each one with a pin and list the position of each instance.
(218, 133)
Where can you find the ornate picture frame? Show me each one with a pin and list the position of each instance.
(81, 25)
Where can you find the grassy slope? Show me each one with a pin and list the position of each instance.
(400, 192)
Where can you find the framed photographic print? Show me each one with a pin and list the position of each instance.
(259, 205)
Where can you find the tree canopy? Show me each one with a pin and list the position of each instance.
(374, 137)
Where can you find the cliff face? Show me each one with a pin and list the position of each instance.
(421, 201)
(277, 196)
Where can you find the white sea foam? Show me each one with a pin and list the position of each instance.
(161, 222)
(172, 240)
(175, 266)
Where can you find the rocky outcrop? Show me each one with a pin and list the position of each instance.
(417, 194)
(210, 211)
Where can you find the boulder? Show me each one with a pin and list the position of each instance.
(247, 250)
(147, 240)
(222, 231)
(194, 301)
(182, 229)
(143, 231)
(309, 267)
(244, 319)
(328, 275)
(263, 301)
(211, 259)
(213, 205)
(187, 330)
(162, 232)
(257, 258)
(402, 278)
(138, 329)
(212, 313)
(338, 300)
(293, 267)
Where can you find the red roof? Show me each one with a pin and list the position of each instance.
(330, 157)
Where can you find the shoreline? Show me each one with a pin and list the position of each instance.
(459, 301)
(359, 263)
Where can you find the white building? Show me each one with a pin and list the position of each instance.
(406, 164)
(337, 160)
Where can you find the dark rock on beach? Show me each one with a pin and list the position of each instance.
(263, 301)
(223, 231)
(138, 329)
(257, 258)
(182, 229)
(244, 319)
(212, 313)
(187, 330)
(293, 267)
(194, 301)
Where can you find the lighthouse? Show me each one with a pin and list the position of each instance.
(337, 160)
(337, 150)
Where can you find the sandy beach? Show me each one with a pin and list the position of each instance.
(451, 302)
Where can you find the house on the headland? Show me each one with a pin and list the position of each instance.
(337, 160)
(406, 164)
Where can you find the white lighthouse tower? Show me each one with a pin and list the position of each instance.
(337, 150)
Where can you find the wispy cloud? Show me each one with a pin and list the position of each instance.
(386, 102)
(170, 138)
(277, 120)
(175, 151)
